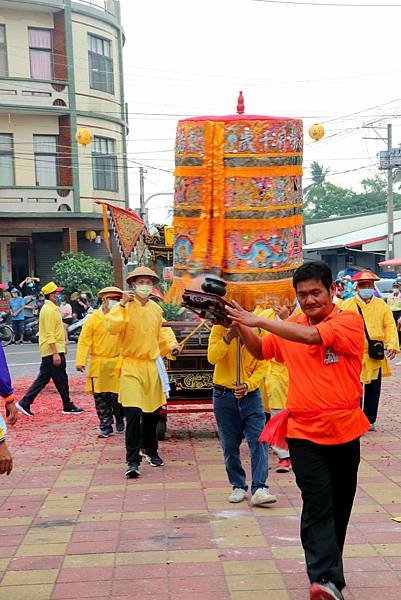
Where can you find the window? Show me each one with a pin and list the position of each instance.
(6, 159)
(100, 65)
(3, 52)
(104, 163)
(46, 163)
(40, 53)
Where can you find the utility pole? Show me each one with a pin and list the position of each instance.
(390, 205)
(388, 161)
(142, 208)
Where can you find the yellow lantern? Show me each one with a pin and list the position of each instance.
(84, 136)
(90, 235)
(316, 132)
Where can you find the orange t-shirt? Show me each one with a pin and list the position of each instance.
(324, 390)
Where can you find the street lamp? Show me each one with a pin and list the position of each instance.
(144, 203)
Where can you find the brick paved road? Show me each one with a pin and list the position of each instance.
(72, 527)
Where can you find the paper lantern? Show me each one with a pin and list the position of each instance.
(238, 206)
(84, 136)
(316, 132)
(90, 235)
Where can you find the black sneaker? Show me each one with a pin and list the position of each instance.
(72, 409)
(133, 471)
(120, 426)
(24, 409)
(154, 460)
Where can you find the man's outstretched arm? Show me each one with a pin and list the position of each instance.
(289, 331)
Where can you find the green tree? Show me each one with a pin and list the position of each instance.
(328, 200)
(318, 174)
(374, 195)
(81, 272)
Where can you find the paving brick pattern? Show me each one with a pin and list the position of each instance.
(72, 527)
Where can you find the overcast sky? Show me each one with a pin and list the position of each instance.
(320, 63)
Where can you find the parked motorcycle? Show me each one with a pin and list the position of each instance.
(31, 330)
(6, 332)
(75, 328)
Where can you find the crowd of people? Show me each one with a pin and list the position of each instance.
(25, 301)
(303, 378)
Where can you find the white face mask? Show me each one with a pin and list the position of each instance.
(111, 303)
(143, 290)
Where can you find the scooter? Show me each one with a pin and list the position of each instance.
(6, 332)
(31, 330)
(75, 328)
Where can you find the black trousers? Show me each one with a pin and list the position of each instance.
(327, 478)
(397, 315)
(49, 371)
(140, 432)
(371, 397)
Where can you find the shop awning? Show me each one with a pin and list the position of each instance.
(393, 262)
(355, 238)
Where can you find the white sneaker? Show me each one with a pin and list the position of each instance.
(262, 496)
(237, 495)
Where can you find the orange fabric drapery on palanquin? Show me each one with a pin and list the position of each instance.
(238, 206)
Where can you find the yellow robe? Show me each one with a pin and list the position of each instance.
(338, 301)
(224, 357)
(51, 329)
(104, 352)
(141, 340)
(274, 386)
(381, 326)
(394, 302)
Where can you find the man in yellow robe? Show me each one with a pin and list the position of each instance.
(380, 325)
(137, 321)
(52, 346)
(102, 380)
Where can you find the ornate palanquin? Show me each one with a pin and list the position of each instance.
(238, 206)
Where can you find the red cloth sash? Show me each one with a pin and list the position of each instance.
(275, 430)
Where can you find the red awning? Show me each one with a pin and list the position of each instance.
(394, 262)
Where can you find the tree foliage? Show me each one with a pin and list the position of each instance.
(324, 200)
(81, 272)
(318, 174)
(328, 200)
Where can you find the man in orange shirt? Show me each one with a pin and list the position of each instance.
(322, 348)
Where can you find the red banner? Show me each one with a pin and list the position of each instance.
(127, 227)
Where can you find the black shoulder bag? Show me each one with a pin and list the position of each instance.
(375, 347)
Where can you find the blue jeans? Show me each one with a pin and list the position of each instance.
(18, 326)
(236, 419)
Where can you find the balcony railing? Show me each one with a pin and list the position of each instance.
(33, 200)
(108, 6)
(34, 93)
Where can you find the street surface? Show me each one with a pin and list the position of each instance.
(71, 525)
(24, 360)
